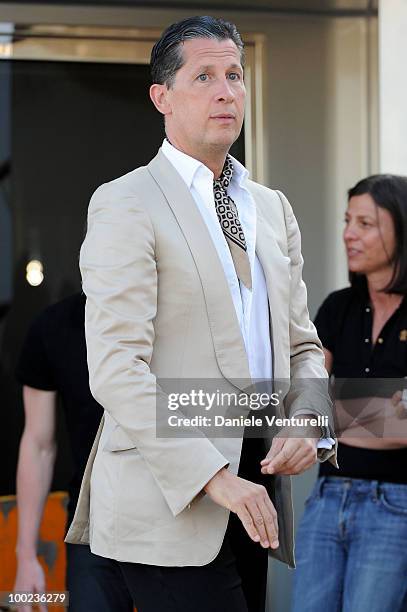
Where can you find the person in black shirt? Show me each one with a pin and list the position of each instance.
(53, 361)
(354, 528)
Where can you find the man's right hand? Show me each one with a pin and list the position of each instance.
(30, 579)
(250, 502)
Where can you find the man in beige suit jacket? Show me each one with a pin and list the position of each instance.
(190, 519)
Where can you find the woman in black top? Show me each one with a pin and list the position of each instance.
(352, 539)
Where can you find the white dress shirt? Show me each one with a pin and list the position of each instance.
(252, 308)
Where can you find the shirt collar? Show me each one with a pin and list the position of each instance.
(240, 173)
(188, 166)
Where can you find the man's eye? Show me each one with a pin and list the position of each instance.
(203, 77)
(234, 76)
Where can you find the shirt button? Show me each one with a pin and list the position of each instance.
(367, 369)
(366, 339)
(380, 340)
(367, 309)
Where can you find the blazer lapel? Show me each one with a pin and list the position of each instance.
(227, 337)
(276, 271)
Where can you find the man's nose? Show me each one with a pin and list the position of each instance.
(225, 92)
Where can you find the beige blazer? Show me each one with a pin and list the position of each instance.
(159, 307)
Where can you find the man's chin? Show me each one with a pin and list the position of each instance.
(223, 141)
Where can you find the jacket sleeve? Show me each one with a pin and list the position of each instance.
(119, 274)
(309, 384)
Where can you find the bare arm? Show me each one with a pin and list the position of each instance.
(34, 473)
(328, 360)
(355, 432)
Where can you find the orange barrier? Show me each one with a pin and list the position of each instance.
(51, 549)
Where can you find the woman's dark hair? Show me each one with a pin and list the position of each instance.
(390, 192)
(167, 56)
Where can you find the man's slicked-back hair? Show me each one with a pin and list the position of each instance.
(167, 56)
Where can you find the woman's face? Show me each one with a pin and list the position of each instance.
(369, 236)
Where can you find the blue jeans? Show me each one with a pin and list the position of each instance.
(351, 548)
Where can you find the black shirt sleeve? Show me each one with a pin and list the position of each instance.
(326, 323)
(34, 367)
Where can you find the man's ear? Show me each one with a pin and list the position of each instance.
(159, 97)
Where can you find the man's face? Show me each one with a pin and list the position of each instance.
(206, 101)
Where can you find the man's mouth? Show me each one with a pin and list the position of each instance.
(224, 116)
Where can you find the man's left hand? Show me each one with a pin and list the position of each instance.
(292, 452)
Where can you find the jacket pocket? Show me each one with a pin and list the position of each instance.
(118, 440)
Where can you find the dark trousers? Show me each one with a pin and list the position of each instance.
(235, 581)
(95, 584)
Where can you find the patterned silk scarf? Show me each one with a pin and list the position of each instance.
(230, 224)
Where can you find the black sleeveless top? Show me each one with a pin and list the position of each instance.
(344, 324)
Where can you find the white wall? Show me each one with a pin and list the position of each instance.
(350, 128)
(393, 86)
